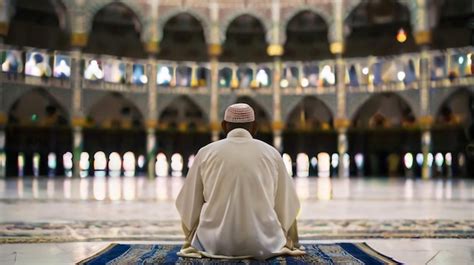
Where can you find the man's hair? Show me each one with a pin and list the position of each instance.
(245, 125)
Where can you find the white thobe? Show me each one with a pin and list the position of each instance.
(239, 198)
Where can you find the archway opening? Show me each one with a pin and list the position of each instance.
(114, 125)
(40, 24)
(453, 130)
(306, 38)
(310, 119)
(116, 31)
(375, 23)
(183, 39)
(245, 41)
(183, 129)
(383, 130)
(37, 127)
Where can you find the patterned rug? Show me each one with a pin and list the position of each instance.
(132, 230)
(340, 253)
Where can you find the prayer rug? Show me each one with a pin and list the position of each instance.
(339, 253)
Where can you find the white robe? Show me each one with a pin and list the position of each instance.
(241, 197)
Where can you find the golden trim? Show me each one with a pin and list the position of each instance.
(152, 46)
(4, 26)
(214, 49)
(215, 126)
(79, 39)
(423, 37)
(275, 50)
(341, 123)
(151, 124)
(337, 47)
(425, 121)
(277, 125)
(79, 122)
(3, 119)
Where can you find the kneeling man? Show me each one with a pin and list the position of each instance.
(238, 200)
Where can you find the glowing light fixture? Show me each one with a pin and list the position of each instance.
(323, 164)
(262, 77)
(401, 76)
(302, 165)
(419, 159)
(365, 70)
(408, 160)
(288, 164)
(304, 82)
(284, 83)
(401, 35)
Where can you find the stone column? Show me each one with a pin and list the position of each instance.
(152, 115)
(422, 23)
(78, 120)
(275, 49)
(214, 50)
(341, 123)
(277, 123)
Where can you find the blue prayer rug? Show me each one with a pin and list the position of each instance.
(338, 253)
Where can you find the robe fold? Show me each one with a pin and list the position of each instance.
(238, 200)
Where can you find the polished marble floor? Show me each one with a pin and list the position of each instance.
(379, 208)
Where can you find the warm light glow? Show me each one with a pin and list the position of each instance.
(302, 165)
(401, 35)
(176, 165)
(163, 76)
(100, 161)
(359, 160)
(284, 83)
(262, 78)
(93, 71)
(84, 163)
(401, 76)
(449, 159)
(408, 160)
(114, 188)
(36, 163)
(141, 161)
(365, 70)
(335, 160)
(430, 159)
(161, 165)
(288, 164)
(52, 161)
(129, 164)
(99, 188)
(328, 75)
(115, 164)
(323, 165)
(439, 159)
(304, 82)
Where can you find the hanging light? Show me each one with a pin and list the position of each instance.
(401, 35)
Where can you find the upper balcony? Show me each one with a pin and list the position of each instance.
(36, 67)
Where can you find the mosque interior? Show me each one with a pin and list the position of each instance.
(104, 104)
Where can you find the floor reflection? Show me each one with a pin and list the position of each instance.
(167, 188)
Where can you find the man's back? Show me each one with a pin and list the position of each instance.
(246, 198)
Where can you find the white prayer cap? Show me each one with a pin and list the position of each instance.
(239, 113)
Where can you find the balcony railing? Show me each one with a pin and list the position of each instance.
(30, 66)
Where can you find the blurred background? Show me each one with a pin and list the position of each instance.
(104, 103)
(345, 87)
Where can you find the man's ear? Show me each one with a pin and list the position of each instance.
(224, 126)
(254, 128)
